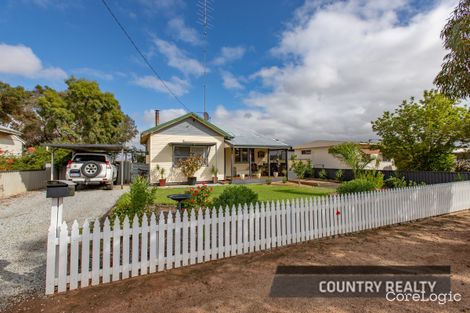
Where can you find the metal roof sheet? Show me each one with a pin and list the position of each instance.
(7, 130)
(87, 147)
(250, 138)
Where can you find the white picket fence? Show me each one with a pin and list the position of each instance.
(80, 258)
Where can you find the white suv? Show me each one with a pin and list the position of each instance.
(91, 169)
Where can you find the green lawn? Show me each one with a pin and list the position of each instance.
(265, 192)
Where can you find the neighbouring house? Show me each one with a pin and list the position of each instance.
(462, 154)
(10, 141)
(234, 152)
(317, 152)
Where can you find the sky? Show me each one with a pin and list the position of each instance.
(293, 70)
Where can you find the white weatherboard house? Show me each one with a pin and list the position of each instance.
(317, 152)
(234, 153)
(10, 141)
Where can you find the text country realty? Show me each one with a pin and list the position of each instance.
(374, 286)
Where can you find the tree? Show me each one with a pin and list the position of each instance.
(97, 115)
(55, 117)
(454, 78)
(300, 168)
(351, 154)
(80, 114)
(422, 135)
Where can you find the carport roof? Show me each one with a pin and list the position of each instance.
(87, 147)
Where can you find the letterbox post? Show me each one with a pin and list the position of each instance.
(56, 190)
(56, 213)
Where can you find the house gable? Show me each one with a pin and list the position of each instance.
(188, 127)
(192, 117)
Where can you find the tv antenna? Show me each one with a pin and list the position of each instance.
(205, 10)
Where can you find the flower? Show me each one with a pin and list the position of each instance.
(338, 212)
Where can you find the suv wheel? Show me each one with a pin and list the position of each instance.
(90, 169)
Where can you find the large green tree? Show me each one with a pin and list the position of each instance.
(454, 77)
(80, 114)
(422, 135)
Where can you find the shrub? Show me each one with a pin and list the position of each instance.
(190, 165)
(269, 181)
(376, 177)
(160, 171)
(322, 174)
(459, 177)
(199, 197)
(339, 175)
(214, 171)
(284, 180)
(400, 182)
(34, 158)
(235, 195)
(462, 166)
(356, 185)
(138, 201)
(396, 182)
(300, 168)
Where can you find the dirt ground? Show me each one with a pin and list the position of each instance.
(242, 283)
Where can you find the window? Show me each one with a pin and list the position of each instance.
(182, 152)
(305, 152)
(276, 155)
(80, 158)
(241, 155)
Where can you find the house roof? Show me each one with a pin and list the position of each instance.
(180, 119)
(8, 130)
(80, 147)
(319, 144)
(251, 139)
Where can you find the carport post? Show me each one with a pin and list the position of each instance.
(52, 164)
(122, 169)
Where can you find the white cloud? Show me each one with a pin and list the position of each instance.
(230, 81)
(229, 54)
(182, 32)
(178, 58)
(341, 66)
(178, 86)
(165, 115)
(94, 73)
(21, 60)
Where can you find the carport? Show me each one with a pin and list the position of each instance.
(97, 148)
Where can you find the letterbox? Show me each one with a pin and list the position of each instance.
(60, 188)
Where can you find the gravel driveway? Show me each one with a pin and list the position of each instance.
(24, 221)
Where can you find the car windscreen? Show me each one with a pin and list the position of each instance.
(84, 158)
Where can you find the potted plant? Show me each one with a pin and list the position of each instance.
(161, 172)
(278, 163)
(258, 172)
(214, 172)
(189, 166)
